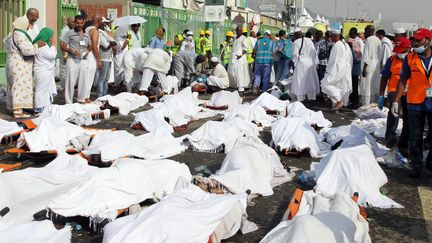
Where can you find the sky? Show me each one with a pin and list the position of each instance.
(410, 11)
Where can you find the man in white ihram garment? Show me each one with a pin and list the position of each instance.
(157, 63)
(133, 66)
(120, 36)
(386, 47)
(238, 68)
(337, 82)
(32, 15)
(219, 77)
(371, 62)
(305, 82)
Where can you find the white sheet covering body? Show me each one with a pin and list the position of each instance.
(213, 134)
(8, 128)
(29, 190)
(337, 82)
(112, 145)
(250, 113)
(251, 165)
(297, 109)
(270, 102)
(50, 134)
(322, 218)
(36, 232)
(225, 98)
(296, 133)
(68, 112)
(125, 102)
(188, 215)
(350, 170)
(127, 182)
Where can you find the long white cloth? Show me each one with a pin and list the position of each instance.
(132, 64)
(337, 82)
(297, 109)
(369, 85)
(8, 128)
(296, 133)
(28, 191)
(322, 218)
(112, 145)
(44, 73)
(305, 80)
(251, 165)
(36, 232)
(225, 98)
(188, 215)
(352, 136)
(219, 77)
(270, 102)
(238, 69)
(211, 136)
(50, 134)
(250, 113)
(387, 50)
(127, 182)
(125, 102)
(350, 170)
(68, 112)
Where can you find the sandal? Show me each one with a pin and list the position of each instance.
(20, 115)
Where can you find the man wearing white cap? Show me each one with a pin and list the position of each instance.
(400, 32)
(305, 79)
(337, 82)
(188, 43)
(219, 77)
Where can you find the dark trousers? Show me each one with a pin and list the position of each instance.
(416, 128)
(321, 71)
(404, 136)
(354, 96)
(392, 122)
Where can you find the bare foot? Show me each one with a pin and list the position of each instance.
(338, 106)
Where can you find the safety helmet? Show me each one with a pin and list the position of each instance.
(230, 34)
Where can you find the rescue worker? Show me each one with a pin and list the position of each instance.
(198, 46)
(225, 48)
(178, 40)
(390, 76)
(417, 68)
(207, 48)
(263, 52)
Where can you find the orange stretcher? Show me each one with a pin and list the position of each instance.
(27, 125)
(294, 205)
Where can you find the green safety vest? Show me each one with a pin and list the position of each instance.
(250, 59)
(207, 45)
(131, 33)
(198, 46)
(227, 52)
(176, 48)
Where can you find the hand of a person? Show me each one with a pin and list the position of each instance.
(364, 73)
(380, 102)
(395, 109)
(99, 64)
(77, 54)
(40, 43)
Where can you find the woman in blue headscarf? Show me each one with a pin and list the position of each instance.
(44, 70)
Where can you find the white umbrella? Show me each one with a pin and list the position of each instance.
(128, 20)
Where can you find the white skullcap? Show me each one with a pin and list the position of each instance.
(297, 29)
(189, 33)
(360, 31)
(214, 59)
(399, 31)
(335, 32)
(104, 20)
(267, 32)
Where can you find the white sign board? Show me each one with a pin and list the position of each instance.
(407, 26)
(215, 13)
(267, 7)
(271, 14)
(112, 13)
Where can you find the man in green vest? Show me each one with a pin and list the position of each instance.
(226, 49)
(250, 43)
(199, 43)
(178, 40)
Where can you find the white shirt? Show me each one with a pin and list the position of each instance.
(387, 50)
(33, 31)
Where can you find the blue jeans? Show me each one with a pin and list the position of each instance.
(262, 74)
(281, 72)
(416, 121)
(102, 83)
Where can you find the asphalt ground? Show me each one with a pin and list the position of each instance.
(411, 224)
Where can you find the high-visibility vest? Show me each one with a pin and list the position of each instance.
(227, 52)
(419, 82)
(176, 48)
(264, 54)
(198, 45)
(131, 33)
(395, 69)
(207, 45)
(250, 59)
